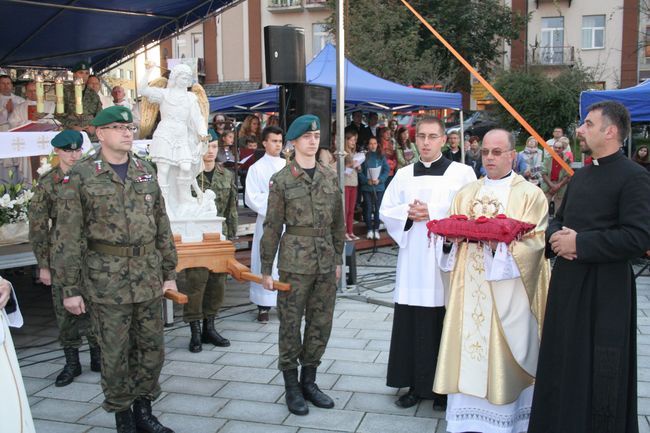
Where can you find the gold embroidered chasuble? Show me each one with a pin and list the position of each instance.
(476, 351)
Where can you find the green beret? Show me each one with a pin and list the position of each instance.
(302, 124)
(68, 139)
(116, 113)
(81, 66)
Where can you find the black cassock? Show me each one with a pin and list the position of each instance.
(586, 374)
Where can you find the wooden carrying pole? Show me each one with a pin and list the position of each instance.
(218, 256)
(492, 90)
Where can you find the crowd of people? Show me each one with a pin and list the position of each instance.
(483, 329)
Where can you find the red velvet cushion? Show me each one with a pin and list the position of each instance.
(499, 229)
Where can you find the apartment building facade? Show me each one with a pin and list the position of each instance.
(230, 45)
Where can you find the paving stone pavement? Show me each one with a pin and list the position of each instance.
(238, 389)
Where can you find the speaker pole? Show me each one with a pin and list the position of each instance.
(340, 109)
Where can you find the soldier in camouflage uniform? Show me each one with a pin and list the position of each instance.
(91, 103)
(113, 204)
(42, 224)
(205, 289)
(305, 197)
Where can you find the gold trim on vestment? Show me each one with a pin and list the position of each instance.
(506, 378)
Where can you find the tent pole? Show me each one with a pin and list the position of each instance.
(340, 112)
(462, 137)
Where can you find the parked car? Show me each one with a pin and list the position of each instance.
(479, 123)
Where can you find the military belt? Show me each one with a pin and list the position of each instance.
(307, 231)
(122, 250)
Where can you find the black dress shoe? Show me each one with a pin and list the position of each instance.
(407, 400)
(440, 403)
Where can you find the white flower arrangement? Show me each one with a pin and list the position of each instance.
(14, 203)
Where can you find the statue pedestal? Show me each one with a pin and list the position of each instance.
(192, 229)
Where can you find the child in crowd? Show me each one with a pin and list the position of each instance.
(372, 183)
(352, 168)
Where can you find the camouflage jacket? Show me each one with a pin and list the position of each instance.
(297, 200)
(223, 185)
(92, 105)
(42, 210)
(96, 207)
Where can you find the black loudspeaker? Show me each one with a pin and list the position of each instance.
(284, 54)
(299, 99)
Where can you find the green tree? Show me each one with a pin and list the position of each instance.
(544, 102)
(385, 38)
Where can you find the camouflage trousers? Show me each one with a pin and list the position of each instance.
(314, 296)
(131, 338)
(71, 327)
(205, 292)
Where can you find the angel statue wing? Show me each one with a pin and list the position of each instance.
(204, 104)
(149, 110)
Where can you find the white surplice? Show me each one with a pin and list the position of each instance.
(418, 280)
(257, 197)
(15, 415)
(20, 117)
(4, 114)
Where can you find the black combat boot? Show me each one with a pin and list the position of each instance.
(310, 390)
(71, 369)
(293, 396)
(95, 359)
(195, 339)
(125, 422)
(144, 419)
(210, 335)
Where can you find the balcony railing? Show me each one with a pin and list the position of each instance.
(316, 4)
(552, 56)
(284, 4)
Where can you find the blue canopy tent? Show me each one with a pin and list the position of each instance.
(363, 91)
(60, 33)
(636, 99)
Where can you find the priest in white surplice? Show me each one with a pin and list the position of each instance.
(257, 195)
(418, 193)
(490, 340)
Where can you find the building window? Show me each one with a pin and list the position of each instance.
(129, 74)
(320, 37)
(552, 48)
(593, 32)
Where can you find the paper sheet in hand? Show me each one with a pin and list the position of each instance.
(374, 172)
(358, 158)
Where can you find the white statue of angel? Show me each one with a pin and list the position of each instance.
(181, 137)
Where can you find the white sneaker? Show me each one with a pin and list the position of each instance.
(370, 235)
(377, 235)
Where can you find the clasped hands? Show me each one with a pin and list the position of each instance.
(418, 211)
(563, 243)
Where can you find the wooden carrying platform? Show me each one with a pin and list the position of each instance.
(218, 256)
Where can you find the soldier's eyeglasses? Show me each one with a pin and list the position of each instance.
(121, 128)
(73, 150)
